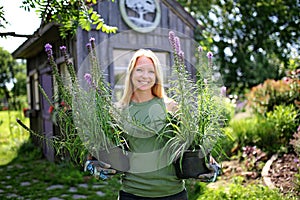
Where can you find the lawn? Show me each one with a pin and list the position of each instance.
(12, 135)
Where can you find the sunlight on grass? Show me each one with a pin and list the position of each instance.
(12, 135)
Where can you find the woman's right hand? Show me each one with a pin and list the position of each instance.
(99, 169)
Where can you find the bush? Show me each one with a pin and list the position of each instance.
(243, 131)
(284, 122)
(271, 133)
(265, 97)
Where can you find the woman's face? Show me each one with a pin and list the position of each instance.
(143, 75)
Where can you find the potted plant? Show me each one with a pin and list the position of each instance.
(196, 126)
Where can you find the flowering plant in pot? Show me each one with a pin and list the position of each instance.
(196, 125)
(84, 119)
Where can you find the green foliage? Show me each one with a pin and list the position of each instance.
(236, 190)
(200, 105)
(252, 38)
(67, 145)
(70, 14)
(264, 97)
(284, 122)
(20, 75)
(2, 18)
(271, 133)
(195, 188)
(6, 70)
(85, 116)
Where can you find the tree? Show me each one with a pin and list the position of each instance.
(6, 71)
(19, 88)
(70, 14)
(252, 39)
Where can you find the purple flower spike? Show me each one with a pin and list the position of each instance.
(92, 39)
(63, 48)
(88, 78)
(181, 56)
(89, 46)
(48, 49)
(200, 49)
(209, 55)
(177, 44)
(172, 38)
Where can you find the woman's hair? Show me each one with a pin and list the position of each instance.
(157, 89)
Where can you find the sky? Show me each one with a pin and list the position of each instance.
(20, 22)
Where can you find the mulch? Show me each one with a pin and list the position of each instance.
(282, 173)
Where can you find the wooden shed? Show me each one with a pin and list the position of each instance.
(141, 24)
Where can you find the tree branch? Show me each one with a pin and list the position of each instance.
(14, 34)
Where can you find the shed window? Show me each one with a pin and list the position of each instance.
(33, 90)
(121, 59)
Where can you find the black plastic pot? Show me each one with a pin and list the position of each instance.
(116, 157)
(191, 165)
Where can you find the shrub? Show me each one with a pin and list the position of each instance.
(284, 121)
(265, 97)
(243, 131)
(271, 133)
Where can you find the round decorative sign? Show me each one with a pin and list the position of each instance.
(141, 15)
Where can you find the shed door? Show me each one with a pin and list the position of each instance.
(47, 125)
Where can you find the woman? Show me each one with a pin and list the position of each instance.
(149, 177)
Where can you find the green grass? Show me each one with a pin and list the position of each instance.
(12, 135)
(30, 176)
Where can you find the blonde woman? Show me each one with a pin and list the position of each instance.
(144, 99)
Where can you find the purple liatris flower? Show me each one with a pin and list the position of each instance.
(92, 41)
(200, 49)
(89, 46)
(172, 38)
(62, 48)
(48, 49)
(177, 45)
(181, 56)
(209, 55)
(88, 78)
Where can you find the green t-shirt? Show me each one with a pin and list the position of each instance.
(149, 174)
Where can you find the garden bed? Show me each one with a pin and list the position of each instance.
(282, 173)
(279, 173)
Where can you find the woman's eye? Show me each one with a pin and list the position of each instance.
(151, 72)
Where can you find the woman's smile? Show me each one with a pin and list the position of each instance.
(143, 76)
